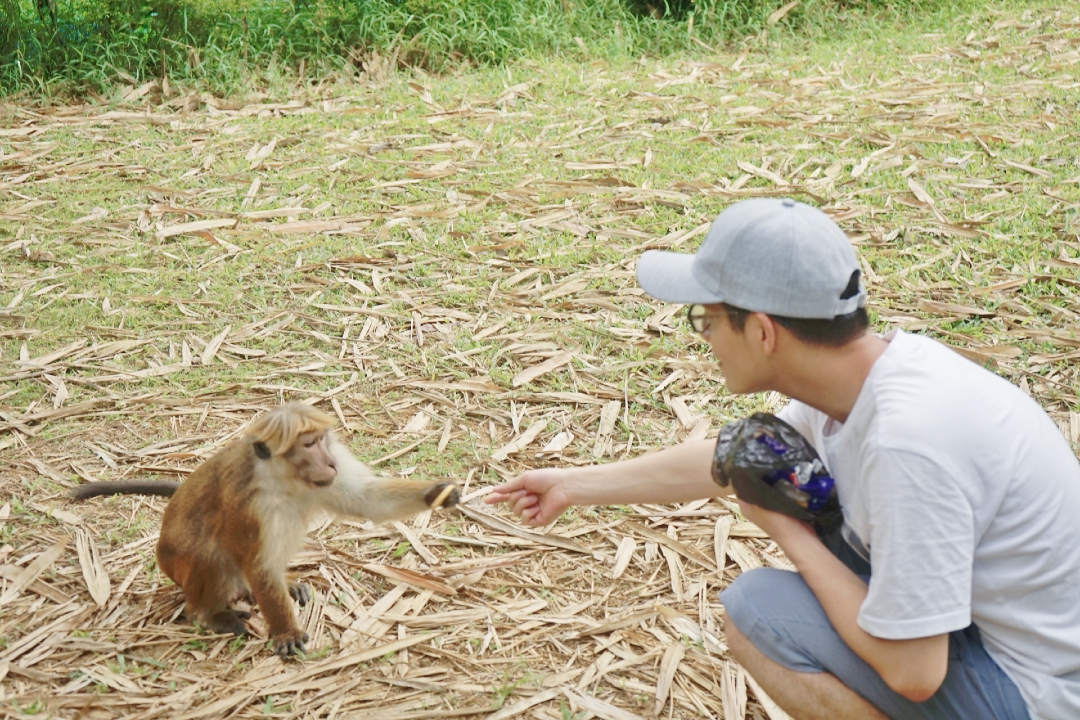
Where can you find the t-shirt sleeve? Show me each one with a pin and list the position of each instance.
(922, 548)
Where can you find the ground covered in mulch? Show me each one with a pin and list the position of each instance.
(446, 264)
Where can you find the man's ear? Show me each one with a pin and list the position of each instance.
(764, 332)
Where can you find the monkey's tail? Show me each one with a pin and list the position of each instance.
(164, 488)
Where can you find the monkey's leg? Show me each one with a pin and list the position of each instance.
(208, 587)
(273, 597)
(208, 590)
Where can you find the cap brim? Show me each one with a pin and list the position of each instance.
(669, 276)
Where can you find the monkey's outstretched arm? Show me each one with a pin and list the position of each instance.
(356, 492)
(164, 488)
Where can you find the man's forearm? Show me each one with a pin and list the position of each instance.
(677, 474)
(914, 668)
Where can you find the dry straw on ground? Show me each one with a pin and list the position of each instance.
(445, 345)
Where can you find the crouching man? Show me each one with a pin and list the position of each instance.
(953, 588)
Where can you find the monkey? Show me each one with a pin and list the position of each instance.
(230, 529)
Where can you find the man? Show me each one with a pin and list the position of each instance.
(954, 591)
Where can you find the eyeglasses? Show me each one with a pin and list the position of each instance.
(699, 316)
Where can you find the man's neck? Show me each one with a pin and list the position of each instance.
(828, 379)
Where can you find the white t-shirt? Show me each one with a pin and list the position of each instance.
(967, 499)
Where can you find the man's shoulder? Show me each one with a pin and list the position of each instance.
(922, 376)
(925, 399)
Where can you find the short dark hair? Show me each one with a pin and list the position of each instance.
(837, 332)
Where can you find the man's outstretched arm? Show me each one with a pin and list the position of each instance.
(677, 474)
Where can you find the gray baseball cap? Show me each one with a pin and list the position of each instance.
(764, 255)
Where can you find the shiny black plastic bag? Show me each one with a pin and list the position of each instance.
(773, 466)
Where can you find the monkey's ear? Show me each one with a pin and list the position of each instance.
(261, 450)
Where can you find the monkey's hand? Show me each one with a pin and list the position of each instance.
(443, 495)
(289, 643)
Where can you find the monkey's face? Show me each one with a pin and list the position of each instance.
(311, 459)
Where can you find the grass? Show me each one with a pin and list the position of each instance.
(500, 210)
(88, 45)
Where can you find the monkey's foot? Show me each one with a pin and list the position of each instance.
(442, 495)
(229, 621)
(300, 593)
(289, 643)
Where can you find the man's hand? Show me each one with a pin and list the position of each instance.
(537, 496)
(784, 529)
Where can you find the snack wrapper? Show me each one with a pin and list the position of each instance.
(773, 466)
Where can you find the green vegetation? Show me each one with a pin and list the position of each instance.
(227, 45)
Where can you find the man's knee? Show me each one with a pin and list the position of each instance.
(758, 595)
(775, 612)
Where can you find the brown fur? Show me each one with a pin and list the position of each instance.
(231, 528)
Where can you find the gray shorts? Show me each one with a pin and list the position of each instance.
(778, 613)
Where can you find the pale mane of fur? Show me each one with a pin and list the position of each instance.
(280, 427)
(287, 506)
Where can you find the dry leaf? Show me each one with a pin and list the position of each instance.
(779, 15)
(34, 569)
(720, 540)
(920, 192)
(50, 358)
(274, 213)
(943, 308)
(410, 577)
(307, 226)
(559, 443)
(214, 345)
(623, 556)
(601, 709)
(98, 213)
(522, 705)
(521, 441)
(608, 416)
(678, 407)
(1028, 168)
(444, 439)
(194, 227)
(668, 667)
(478, 385)
(60, 393)
(529, 374)
(700, 429)
(97, 579)
(429, 557)
(418, 422)
(733, 691)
